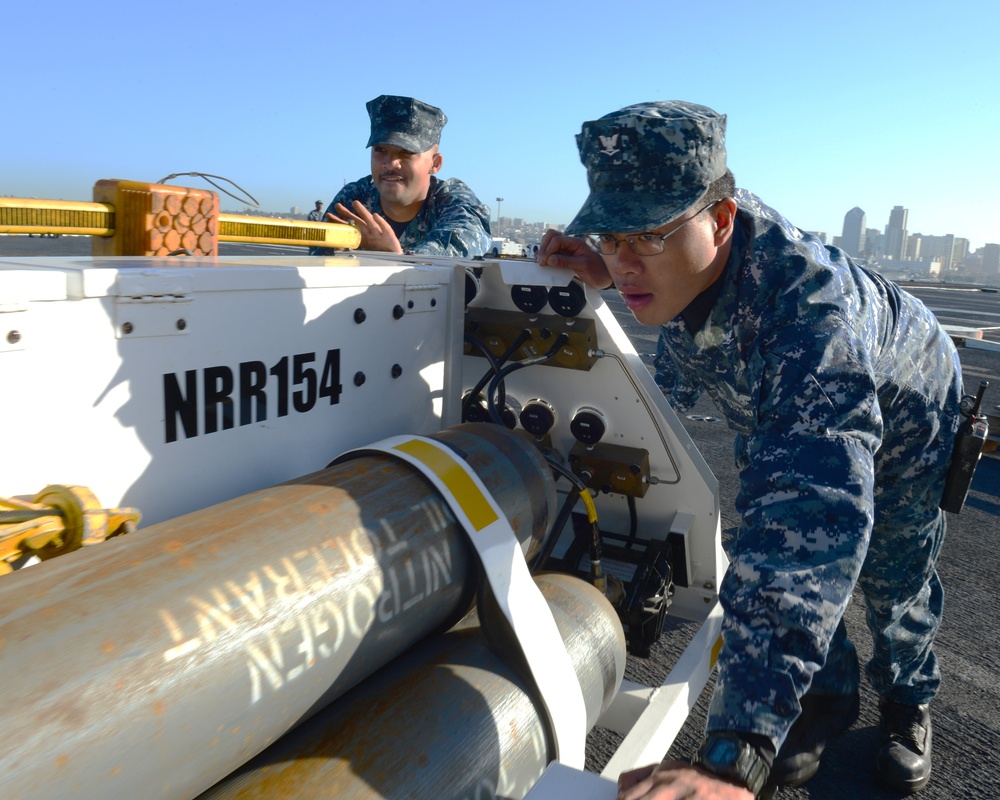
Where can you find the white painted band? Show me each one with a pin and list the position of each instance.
(516, 593)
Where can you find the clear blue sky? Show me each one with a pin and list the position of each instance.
(831, 104)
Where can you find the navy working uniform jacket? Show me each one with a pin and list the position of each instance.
(451, 222)
(844, 394)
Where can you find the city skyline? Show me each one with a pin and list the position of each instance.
(829, 235)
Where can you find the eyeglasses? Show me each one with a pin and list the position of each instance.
(642, 244)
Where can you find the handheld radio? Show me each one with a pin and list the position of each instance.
(969, 442)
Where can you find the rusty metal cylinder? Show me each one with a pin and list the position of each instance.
(155, 664)
(449, 719)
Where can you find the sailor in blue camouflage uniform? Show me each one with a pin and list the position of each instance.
(402, 207)
(844, 393)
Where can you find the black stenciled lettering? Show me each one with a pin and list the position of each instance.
(329, 385)
(253, 379)
(305, 398)
(280, 371)
(218, 391)
(220, 383)
(180, 404)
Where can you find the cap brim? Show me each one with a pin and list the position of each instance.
(627, 212)
(401, 140)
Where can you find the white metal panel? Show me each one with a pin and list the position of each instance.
(171, 423)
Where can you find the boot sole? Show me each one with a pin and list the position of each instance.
(904, 787)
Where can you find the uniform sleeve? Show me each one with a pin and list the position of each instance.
(457, 225)
(681, 394)
(358, 190)
(806, 503)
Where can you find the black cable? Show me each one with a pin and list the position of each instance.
(208, 177)
(633, 517)
(564, 513)
(498, 379)
(494, 368)
(567, 473)
(550, 542)
(495, 364)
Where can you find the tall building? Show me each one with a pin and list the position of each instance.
(960, 251)
(873, 242)
(991, 259)
(895, 234)
(950, 250)
(853, 237)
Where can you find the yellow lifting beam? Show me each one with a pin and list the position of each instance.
(28, 215)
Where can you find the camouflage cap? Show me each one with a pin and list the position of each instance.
(405, 122)
(647, 164)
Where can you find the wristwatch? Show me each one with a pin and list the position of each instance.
(727, 755)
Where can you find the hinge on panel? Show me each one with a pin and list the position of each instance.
(152, 315)
(423, 298)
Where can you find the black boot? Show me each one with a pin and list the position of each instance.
(904, 760)
(824, 716)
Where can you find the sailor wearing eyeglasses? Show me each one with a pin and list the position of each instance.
(844, 395)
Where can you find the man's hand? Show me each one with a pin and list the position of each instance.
(569, 252)
(376, 233)
(677, 780)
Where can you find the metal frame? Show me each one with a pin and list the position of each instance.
(99, 339)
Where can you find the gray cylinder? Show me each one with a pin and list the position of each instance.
(155, 664)
(449, 719)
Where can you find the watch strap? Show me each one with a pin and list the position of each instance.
(729, 756)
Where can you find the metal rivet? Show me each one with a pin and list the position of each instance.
(181, 324)
(14, 337)
(397, 312)
(127, 327)
(360, 315)
(359, 378)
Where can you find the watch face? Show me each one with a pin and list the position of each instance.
(732, 758)
(723, 751)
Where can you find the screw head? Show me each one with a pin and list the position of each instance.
(127, 327)
(13, 337)
(181, 324)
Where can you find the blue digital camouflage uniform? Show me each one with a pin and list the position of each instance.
(451, 222)
(844, 393)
